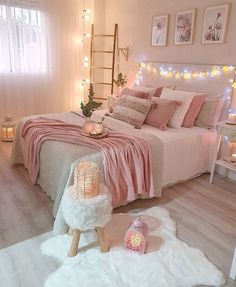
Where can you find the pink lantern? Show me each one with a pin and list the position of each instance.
(135, 237)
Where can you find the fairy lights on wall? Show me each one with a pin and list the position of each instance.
(183, 74)
(188, 74)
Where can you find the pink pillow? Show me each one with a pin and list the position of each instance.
(138, 94)
(158, 92)
(161, 112)
(193, 110)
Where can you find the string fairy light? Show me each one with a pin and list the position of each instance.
(187, 74)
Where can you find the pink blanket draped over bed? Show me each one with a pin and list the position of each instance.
(127, 163)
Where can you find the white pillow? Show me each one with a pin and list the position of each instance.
(145, 89)
(185, 98)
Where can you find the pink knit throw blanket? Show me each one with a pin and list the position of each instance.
(126, 159)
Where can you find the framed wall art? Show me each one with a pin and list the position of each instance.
(159, 30)
(184, 27)
(215, 24)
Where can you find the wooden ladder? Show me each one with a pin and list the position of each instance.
(94, 53)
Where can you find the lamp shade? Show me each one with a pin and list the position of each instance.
(8, 129)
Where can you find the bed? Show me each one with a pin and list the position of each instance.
(177, 154)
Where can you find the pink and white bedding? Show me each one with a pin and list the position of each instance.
(177, 154)
(57, 157)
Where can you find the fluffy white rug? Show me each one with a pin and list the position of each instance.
(168, 262)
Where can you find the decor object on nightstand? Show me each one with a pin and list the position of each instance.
(228, 130)
(86, 205)
(8, 128)
(135, 237)
(120, 82)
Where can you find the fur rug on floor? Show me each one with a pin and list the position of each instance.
(168, 262)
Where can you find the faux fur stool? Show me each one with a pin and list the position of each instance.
(82, 214)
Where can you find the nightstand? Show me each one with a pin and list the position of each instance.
(223, 129)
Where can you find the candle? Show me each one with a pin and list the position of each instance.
(234, 156)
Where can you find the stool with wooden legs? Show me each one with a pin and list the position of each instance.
(85, 214)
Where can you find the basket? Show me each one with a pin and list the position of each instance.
(86, 176)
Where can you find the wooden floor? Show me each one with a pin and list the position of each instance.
(205, 214)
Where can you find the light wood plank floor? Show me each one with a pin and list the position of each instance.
(205, 214)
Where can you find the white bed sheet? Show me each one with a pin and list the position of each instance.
(187, 152)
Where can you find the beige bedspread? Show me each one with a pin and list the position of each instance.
(56, 158)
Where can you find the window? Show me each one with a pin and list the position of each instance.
(23, 46)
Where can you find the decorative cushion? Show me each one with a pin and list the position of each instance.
(150, 90)
(134, 93)
(182, 96)
(131, 110)
(193, 110)
(112, 101)
(161, 112)
(210, 113)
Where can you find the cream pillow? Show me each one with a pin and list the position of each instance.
(132, 110)
(185, 98)
(210, 113)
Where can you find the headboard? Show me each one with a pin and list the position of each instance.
(215, 80)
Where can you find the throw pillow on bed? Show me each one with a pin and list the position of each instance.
(150, 90)
(193, 110)
(210, 113)
(161, 112)
(131, 110)
(134, 93)
(182, 96)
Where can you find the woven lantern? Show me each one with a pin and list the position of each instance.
(86, 176)
(8, 129)
(135, 236)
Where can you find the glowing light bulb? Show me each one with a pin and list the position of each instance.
(177, 76)
(170, 75)
(143, 65)
(234, 85)
(225, 69)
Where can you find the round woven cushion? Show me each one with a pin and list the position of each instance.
(87, 213)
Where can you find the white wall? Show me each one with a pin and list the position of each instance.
(135, 19)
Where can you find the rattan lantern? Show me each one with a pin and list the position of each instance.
(8, 129)
(135, 236)
(86, 177)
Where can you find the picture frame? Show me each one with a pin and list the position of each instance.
(160, 30)
(215, 24)
(184, 27)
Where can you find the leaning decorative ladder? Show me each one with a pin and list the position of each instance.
(94, 53)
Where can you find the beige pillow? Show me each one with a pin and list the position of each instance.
(210, 113)
(132, 110)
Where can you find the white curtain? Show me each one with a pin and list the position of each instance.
(43, 69)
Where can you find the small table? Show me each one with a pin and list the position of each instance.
(223, 129)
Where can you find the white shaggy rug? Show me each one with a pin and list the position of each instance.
(168, 262)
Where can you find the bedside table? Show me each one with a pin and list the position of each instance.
(223, 129)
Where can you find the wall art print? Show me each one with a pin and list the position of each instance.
(184, 27)
(159, 30)
(215, 24)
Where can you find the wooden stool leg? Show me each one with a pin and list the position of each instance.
(70, 232)
(104, 245)
(75, 243)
